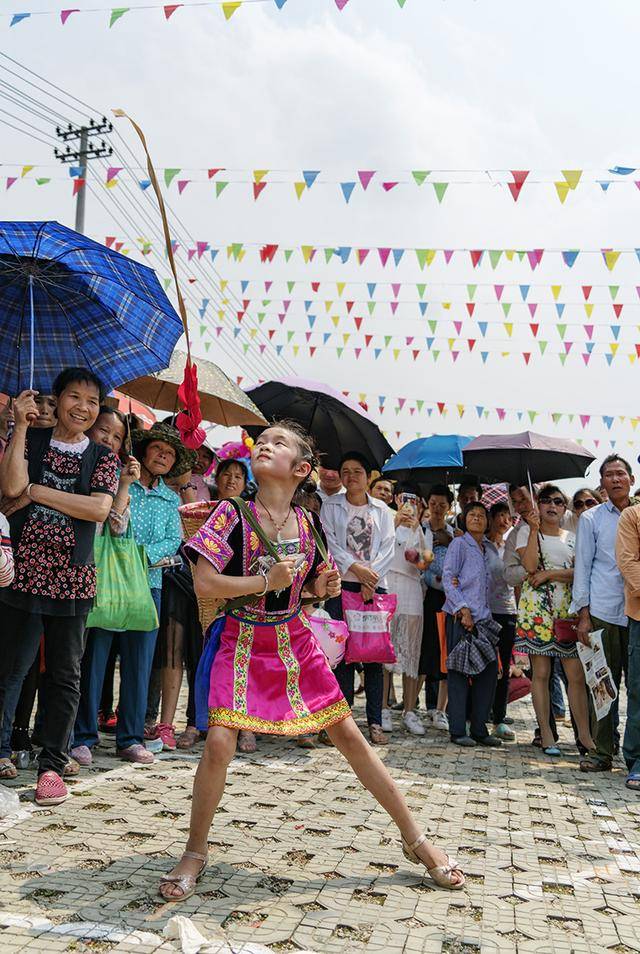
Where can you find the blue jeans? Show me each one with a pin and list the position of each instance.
(27, 644)
(631, 746)
(136, 658)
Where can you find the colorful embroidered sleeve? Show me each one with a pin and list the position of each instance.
(212, 540)
(105, 477)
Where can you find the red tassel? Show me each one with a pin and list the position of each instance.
(189, 420)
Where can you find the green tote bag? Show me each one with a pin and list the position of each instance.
(123, 597)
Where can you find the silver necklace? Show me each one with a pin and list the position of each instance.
(279, 526)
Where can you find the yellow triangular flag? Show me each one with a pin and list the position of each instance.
(572, 177)
(223, 283)
(634, 422)
(460, 409)
(327, 306)
(589, 310)
(632, 358)
(509, 253)
(555, 291)
(508, 327)
(253, 332)
(611, 259)
(259, 174)
(296, 348)
(452, 341)
(562, 188)
(340, 286)
(614, 347)
(345, 337)
(299, 187)
(26, 170)
(336, 320)
(230, 8)
(221, 314)
(111, 184)
(241, 254)
(307, 252)
(431, 254)
(396, 352)
(446, 305)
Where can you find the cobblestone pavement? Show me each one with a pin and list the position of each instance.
(302, 859)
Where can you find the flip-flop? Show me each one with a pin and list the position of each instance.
(7, 769)
(633, 781)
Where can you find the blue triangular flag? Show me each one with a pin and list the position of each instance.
(608, 421)
(347, 189)
(616, 331)
(213, 252)
(309, 176)
(280, 3)
(590, 346)
(371, 288)
(519, 415)
(312, 320)
(397, 255)
(637, 251)
(613, 443)
(479, 410)
(343, 253)
(144, 184)
(17, 17)
(278, 349)
(377, 352)
(236, 332)
(423, 305)
(570, 257)
(603, 185)
(524, 291)
(559, 309)
(76, 171)
(482, 325)
(484, 355)
(622, 170)
(307, 305)
(244, 285)
(430, 342)
(609, 358)
(326, 337)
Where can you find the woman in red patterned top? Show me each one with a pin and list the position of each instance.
(61, 485)
(267, 672)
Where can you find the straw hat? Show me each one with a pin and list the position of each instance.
(185, 458)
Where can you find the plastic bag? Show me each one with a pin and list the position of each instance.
(369, 627)
(123, 597)
(331, 635)
(9, 802)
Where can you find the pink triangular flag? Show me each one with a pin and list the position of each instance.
(170, 9)
(448, 255)
(11, 180)
(182, 185)
(384, 254)
(113, 171)
(365, 177)
(388, 186)
(65, 14)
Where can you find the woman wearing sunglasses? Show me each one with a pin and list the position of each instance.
(547, 554)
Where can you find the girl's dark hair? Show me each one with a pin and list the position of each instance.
(307, 452)
(439, 490)
(474, 505)
(124, 420)
(224, 466)
(77, 376)
(547, 490)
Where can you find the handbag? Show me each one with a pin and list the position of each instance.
(123, 600)
(565, 631)
(331, 635)
(369, 627)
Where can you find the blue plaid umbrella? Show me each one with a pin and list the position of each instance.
(68, 301)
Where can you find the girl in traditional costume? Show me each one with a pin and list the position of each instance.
(263, 669)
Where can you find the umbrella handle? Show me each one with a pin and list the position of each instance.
(31, 334)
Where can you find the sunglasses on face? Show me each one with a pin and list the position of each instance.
(556, 501)
(589, 502)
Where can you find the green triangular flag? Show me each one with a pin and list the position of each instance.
(561, 330)
(420, 175)
(421, 290)
(261, 315)
(495, 254)
(371, 305)
(440, 188)
(471, 290)
(328, 254)
(555, 417)
(543, 346)
(613, 291)
(288, 252)
(339, 350)
(436, 355)
(433, 325)
(532, 415)
(387, 339)
(42, 181)
(220, 187)
(245, 347)
(290, 335)
(169, 176)
(563, 358)
(419, 405)
(116, 14)
(290, 286)
(506, 307)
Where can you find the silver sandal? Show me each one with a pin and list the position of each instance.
(186, 883)
(442, 875)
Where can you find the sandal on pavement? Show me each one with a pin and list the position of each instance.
(306, 741)
(71, 768)
(442, 875)
(377, 736)
(590, 763)
(188, 738)
(7, 769)
(633, 781)
(247, 742)
(186, 883)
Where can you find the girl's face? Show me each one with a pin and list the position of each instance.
(46, 404)
(109, 431)
(552, 508)
(476, 521)
(78, 407)
(502, 522)
(231, 483)
(276, 454)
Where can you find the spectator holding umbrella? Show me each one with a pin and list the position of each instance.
(62, 484)
(361, 535)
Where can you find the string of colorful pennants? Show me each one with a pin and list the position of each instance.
(228, 7)
(363, 181)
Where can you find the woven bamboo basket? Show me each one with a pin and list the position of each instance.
(193, 516)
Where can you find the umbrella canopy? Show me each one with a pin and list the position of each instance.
(221, 401)
(429, 460)
(336, 423)
(519, 458)
(125, 404)
(68, 301)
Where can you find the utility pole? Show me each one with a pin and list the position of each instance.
(87, 149)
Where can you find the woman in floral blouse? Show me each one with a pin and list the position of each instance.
(61, 485)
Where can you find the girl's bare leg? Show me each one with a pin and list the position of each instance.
(577, 692)
(540, 672)
(373, 774)
(208, 787)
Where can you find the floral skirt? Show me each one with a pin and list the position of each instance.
(534, 630)
(273, 678)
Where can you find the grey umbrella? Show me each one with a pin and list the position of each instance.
(527, 457)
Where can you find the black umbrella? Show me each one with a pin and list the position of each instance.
(337, 425)
(523, 458)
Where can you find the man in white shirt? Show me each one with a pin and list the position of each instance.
(361, 536)
(330, 483)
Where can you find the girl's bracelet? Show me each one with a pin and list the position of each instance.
(264, 591)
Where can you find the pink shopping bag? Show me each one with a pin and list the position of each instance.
(331, 635)
(369, 627)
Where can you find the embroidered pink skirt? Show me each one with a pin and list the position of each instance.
(273, 678)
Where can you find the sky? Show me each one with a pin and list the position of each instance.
(441, 85)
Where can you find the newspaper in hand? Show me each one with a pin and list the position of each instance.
(597, 674)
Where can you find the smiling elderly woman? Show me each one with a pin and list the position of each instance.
(60, 484)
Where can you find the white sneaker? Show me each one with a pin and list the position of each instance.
(387, 725)
(412, 723)
(440, 721)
